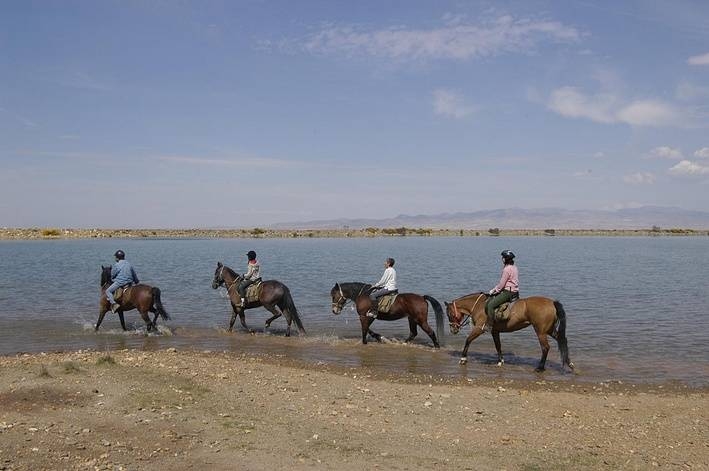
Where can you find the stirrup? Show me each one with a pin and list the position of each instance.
(115, 307)
(371, 314)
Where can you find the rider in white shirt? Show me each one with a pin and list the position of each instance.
(386, 285)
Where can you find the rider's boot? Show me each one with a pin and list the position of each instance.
(115, 307)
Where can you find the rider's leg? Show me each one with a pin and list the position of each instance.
(109, 295)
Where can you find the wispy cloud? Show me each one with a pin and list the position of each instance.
(666, 152)
(702, 153)
(608, 108)
(689, 169)
(449, 103)
(640, 178)
(249, 162)
(702, 59)
(456, 40)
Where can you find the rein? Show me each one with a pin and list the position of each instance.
(221, 277)
(465, 319)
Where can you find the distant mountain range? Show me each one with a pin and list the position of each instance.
(645, 217)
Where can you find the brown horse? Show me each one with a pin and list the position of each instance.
(408, 305)
(547, 316)
(274, 296)
(142, 297)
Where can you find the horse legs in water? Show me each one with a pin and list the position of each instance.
(122, 319)
(237, 311)
(146, 318)
(544, 343)
(366, 322)
(475, 333)
(276, 314)
(101, 314)
(498, 347)
(425, 327)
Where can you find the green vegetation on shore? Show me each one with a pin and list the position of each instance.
(70, 233)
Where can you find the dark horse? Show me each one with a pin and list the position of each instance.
(274, 296)
(142, 297)
(408, 305)
(547, 316)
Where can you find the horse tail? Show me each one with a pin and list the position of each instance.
(289, 306)
(561, 334)
(438, 309)
(158, 303)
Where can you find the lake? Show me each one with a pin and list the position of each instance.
(636, 306)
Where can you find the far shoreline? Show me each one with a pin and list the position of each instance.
(50, 233)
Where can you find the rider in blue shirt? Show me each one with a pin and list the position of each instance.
(122, 274)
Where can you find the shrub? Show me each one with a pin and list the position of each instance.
(51, 232)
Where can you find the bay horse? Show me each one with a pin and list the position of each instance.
(409, 305)
(546, 315)
(142, 297)
(274, 296)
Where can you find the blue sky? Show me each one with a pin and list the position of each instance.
(246, 113)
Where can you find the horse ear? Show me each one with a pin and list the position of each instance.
(337, 286)
(219, 264)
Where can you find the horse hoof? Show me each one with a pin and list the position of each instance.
(500, 363)
(539, 369)
(572, 366)
(463, 361)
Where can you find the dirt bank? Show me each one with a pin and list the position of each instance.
(210, 410)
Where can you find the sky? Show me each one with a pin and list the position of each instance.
(179, 114)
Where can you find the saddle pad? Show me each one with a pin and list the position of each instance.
(502, 313)
(253, 292)
(120, 292)
(386, 301)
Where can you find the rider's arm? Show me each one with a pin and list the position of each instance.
(501, 284)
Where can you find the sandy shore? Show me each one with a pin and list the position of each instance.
(210, 410)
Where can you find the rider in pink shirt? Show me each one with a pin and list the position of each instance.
(508, 287)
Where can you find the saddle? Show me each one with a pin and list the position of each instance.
(386, 301)
(121, 291)
(253, 291)
(503, 311)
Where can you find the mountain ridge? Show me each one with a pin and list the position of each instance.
(645, 217)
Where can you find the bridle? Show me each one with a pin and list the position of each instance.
(464, 318)
(342, 300)
(221, 280)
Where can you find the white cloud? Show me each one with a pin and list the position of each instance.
(569, 102)
(666, 152)
(640, 178)
(703, 152)
(688, 168)
(455, 40)
(607, 108)
(449, 103)
(649, 113)
(699, 60)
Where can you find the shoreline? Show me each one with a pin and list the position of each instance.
(175, 409)
(49, 233)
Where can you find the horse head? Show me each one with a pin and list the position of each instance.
(105, 275)
(455, 317)
(218, 279)
(338, 299)
(219, 276)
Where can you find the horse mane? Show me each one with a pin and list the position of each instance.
(465, 296)
(230, 271)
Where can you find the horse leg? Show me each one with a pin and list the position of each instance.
(234, 311)
(242, 319)
(155, 318)
(498, 347)
(276, 314)
(431, 333)
(413, 331)
(122, 319)
(475, 333)
(365, 323)
(102, 312)
(544, 343)
(146, 318)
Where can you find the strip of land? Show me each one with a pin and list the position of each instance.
(175, 410)
(73, 233)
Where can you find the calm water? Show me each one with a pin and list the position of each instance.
(637, 307)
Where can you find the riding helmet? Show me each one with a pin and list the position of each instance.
(507, 254)
(119, 254)
(251, 254)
